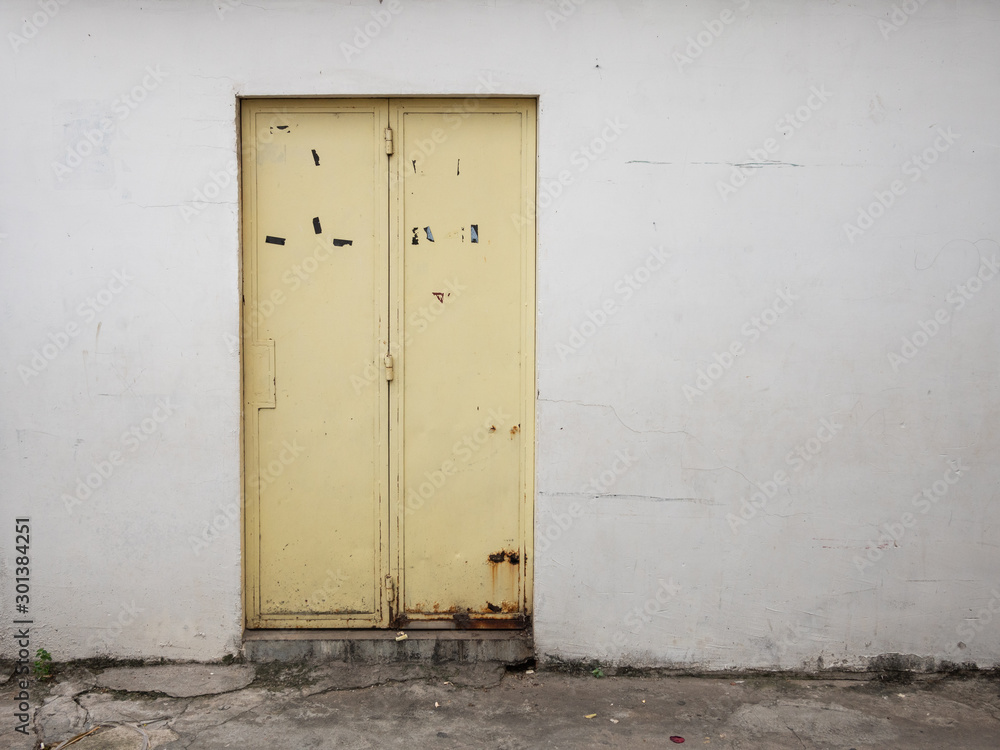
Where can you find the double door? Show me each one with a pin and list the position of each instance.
(388, 362)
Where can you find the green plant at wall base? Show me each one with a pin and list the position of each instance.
(43, 664)
(597, 672)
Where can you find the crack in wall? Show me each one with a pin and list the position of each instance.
(618, 417)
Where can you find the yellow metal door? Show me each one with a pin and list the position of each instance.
(314, 311)
(464, 263)
(388, 362)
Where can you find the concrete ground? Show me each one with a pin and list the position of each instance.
(336, 705)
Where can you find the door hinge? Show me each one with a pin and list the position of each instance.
(389, 362)
(388, 140)
(390, 597)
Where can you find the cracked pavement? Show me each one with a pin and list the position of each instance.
(452, 705)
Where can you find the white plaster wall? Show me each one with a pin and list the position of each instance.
(641, 566)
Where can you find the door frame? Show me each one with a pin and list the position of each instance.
(392, 565)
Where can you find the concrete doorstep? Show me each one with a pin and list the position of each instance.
(483, 705)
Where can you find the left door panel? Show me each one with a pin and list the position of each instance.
(315, 302)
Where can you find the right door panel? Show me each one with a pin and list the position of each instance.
(464, 184)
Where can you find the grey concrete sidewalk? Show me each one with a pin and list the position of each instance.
(319, 706)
